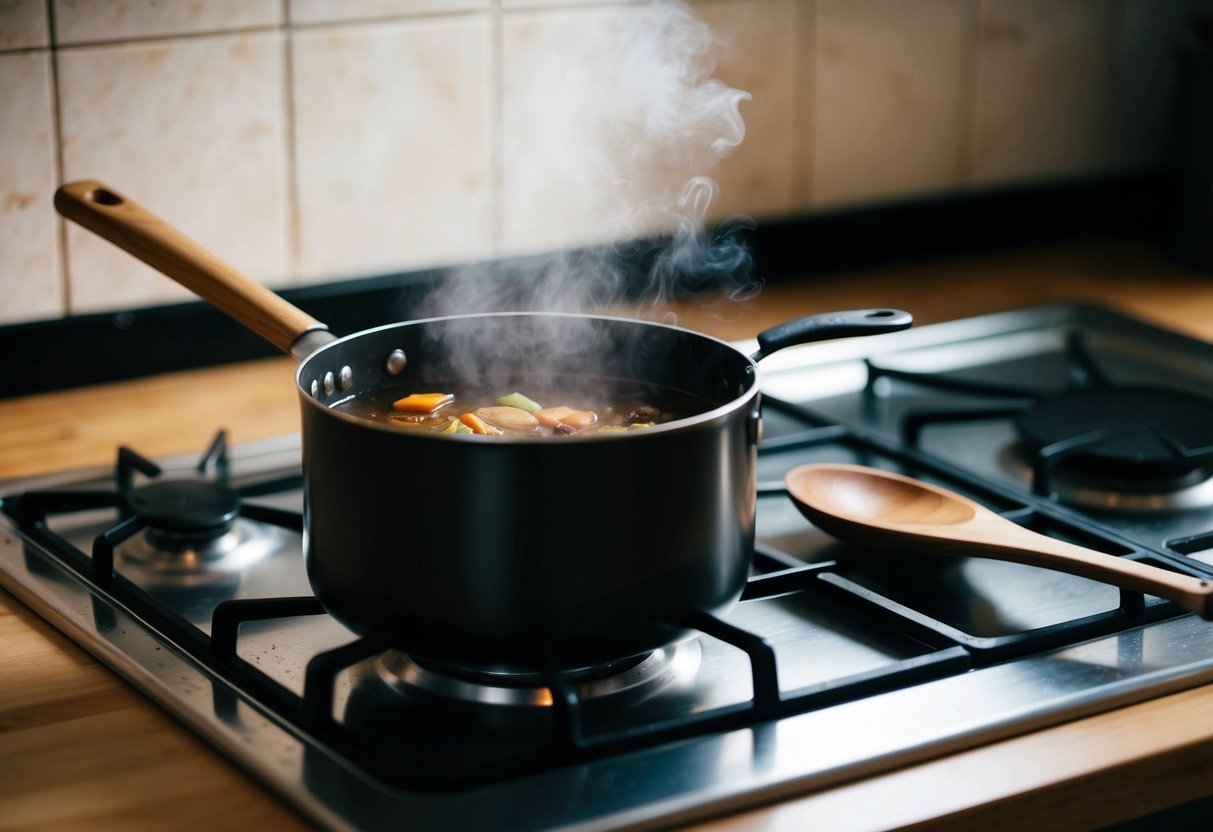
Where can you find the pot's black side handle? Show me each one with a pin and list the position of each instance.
(830, 325)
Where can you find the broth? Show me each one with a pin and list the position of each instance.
(527, 407)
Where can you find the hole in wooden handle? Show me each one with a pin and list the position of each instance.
(103, 197)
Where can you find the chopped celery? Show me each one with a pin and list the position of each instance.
(519, 401)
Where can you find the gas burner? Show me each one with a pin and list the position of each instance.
(182, 558)
(199, 509)
(190, 529)
(1193, 490)
(1097, 443)
(639, 676)
(1135, 449)
(1133, 434)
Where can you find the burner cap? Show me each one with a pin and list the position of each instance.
(1146, 430)
(184, 506)
(668, 665)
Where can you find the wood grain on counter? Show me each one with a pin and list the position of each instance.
(79, 748)
(158, 416)
(1084, 775)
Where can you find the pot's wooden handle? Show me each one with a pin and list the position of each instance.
(138, 231)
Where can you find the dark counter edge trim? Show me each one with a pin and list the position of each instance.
(89, 349)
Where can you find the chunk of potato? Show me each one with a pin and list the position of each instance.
(508, 418)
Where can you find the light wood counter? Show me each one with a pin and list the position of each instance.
(81, 749)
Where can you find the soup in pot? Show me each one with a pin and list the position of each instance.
(537, 410)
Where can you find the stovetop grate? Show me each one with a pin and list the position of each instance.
(946, 649)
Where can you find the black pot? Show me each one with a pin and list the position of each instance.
(506, 553)
(486, 550)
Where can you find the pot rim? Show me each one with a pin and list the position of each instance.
(715, 414)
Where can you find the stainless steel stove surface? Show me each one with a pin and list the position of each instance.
(837, 663)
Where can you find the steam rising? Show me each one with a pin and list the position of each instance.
(613, 122)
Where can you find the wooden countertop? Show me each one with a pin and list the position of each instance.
(79, 747)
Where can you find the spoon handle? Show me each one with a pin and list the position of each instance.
(1011, 542)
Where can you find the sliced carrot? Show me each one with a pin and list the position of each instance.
(550, 417)
(478, 425)
(422, 402)
(580, 419)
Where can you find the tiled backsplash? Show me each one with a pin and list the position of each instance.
(314, 140)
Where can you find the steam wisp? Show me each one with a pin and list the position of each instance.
(617, 124)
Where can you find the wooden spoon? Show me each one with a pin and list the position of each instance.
(890, 511)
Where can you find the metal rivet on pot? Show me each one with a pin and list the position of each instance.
(396, 362)
(329, 384)
(315, 389)
(345, 378)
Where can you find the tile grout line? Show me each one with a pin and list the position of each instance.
(497, 131)
(152, 40)
(65, 275)
(252, 29)
(970, 43)
(22, 50)
(294, 223)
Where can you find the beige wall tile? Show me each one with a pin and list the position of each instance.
(759, 57)
(405, 158)
(195, 131)
(333, 11)
(1043, 90)
(888, 99)
(562, 185)
(606, 116)
(394, 146)
(23, 24)
(1147, 38)
(30, 274)
(90, 21)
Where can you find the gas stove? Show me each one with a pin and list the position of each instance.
(186, 576)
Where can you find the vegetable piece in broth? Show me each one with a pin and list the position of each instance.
(590, 407)
(422, 402)
(519, 401)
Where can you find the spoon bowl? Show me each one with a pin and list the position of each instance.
(885, 510)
